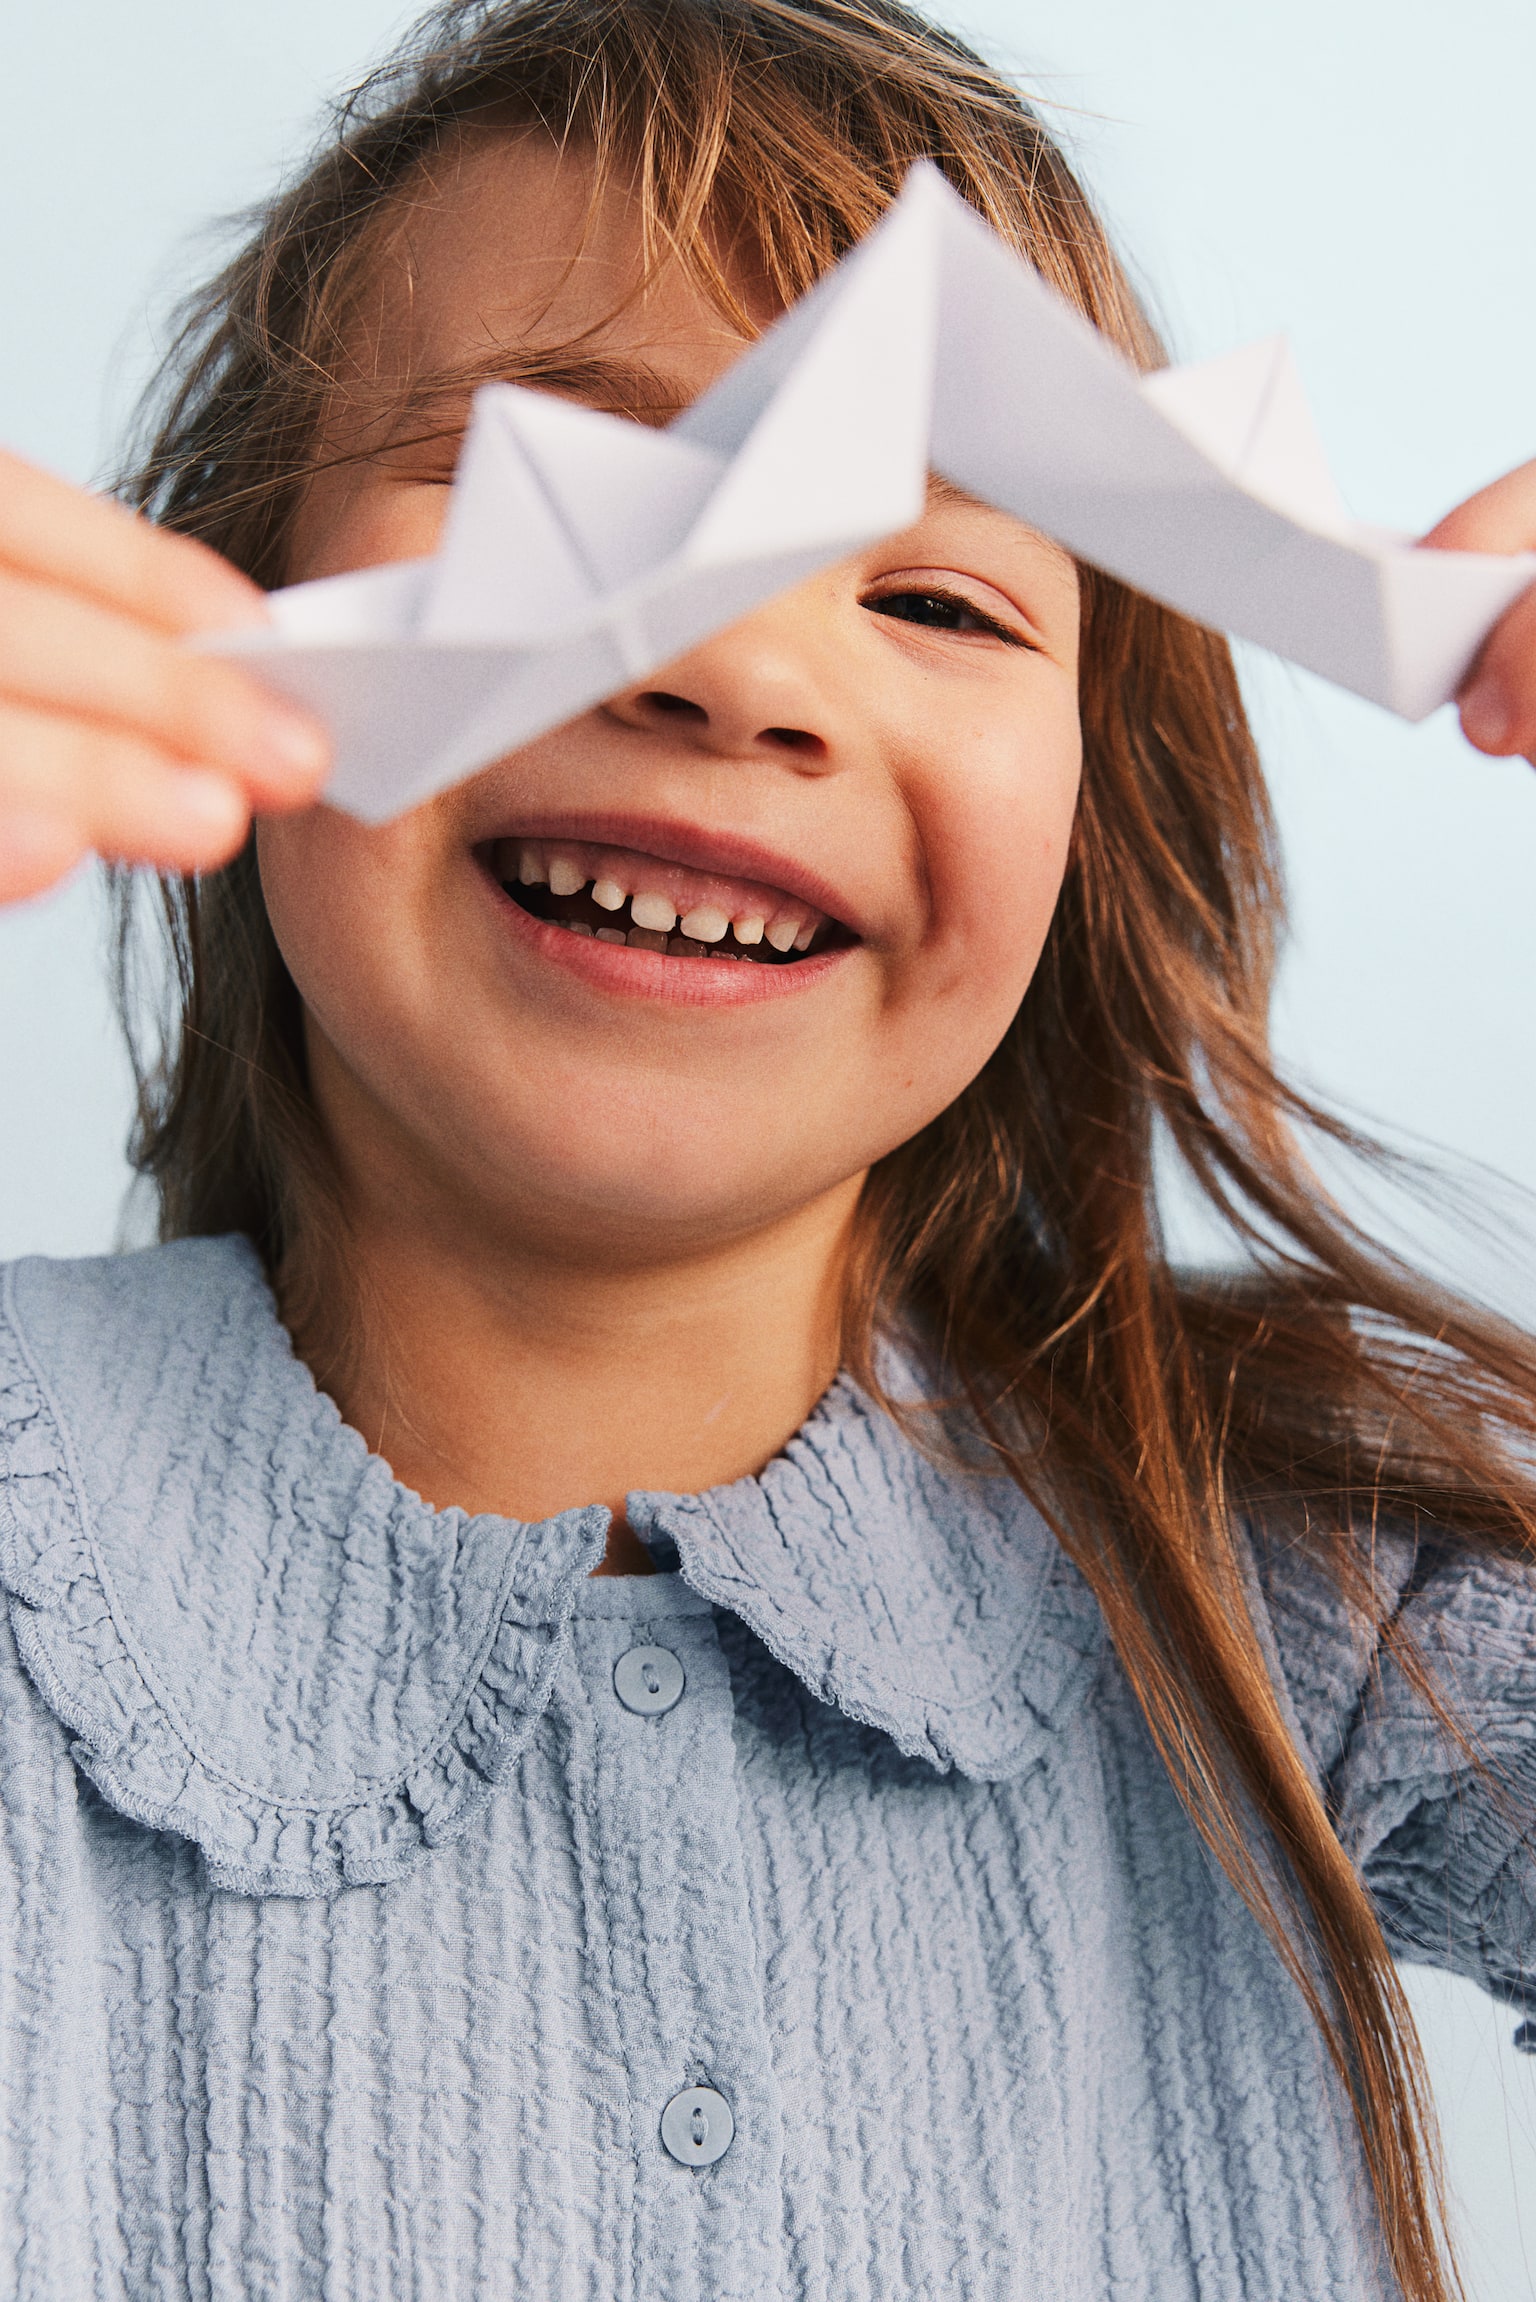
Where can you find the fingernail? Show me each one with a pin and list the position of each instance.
(209, 802)
(1486, 719)
(295, 744)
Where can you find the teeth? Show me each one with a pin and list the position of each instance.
(575, 927)
(706, 929)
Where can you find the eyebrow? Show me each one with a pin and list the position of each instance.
(618, 386)
(943, 491)
(604, 380)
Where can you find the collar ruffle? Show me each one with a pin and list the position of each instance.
(936, 1607)
(261, 1641)
(258, 1638)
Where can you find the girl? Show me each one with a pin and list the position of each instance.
(658, 1654)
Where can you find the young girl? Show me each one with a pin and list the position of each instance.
(657, 1654)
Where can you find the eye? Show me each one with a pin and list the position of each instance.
(942, 611)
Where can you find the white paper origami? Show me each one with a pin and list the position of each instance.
(583, 551)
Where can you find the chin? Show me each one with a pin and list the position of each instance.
(640, 1183)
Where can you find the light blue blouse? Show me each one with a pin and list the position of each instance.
(355, 1934)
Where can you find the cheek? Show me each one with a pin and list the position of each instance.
(340, 896)
(995, 828)
(997, 836)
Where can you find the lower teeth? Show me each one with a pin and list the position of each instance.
(646, 939)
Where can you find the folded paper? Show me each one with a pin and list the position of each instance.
(582, 552)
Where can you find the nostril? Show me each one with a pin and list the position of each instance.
(792, 738)
(675, 706)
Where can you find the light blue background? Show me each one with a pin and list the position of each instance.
(1357, 172)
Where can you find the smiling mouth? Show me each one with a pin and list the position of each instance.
(617, 895)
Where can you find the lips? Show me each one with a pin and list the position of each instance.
(621, 895)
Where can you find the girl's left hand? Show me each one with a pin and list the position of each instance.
(1497, 699)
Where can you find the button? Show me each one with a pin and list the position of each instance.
(697, 2126)
(649, 1680)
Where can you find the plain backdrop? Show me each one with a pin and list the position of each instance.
(1359, 173)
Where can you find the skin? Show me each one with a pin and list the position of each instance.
(609, 1221)
(598, 1204)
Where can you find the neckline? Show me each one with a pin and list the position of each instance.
(261, 1639)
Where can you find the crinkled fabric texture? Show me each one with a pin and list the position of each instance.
(354, 1935)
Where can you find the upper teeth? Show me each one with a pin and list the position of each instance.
(653, 911)
(534, 863)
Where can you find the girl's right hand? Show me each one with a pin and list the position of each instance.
(113, 737)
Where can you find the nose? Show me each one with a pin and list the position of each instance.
(748, 692)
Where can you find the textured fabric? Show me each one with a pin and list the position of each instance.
(353, 1935)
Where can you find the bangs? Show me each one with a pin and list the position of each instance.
(757, 139)
(789, 123)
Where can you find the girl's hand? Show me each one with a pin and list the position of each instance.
(1498, 695)
(112, 736)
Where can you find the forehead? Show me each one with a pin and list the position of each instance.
(507, 258)
(505, 245)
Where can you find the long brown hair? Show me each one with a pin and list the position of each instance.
(1317, 1389)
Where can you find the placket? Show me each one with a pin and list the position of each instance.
(672, 1952)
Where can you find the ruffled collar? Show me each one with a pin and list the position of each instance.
(938, 1608)
(261, 1641)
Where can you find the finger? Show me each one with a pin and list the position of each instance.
(69, 655)
(1499, 518)
(36, 852)
(117, 794)
(1498, 697)
(88, 543)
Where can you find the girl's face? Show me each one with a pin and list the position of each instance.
(866, 789)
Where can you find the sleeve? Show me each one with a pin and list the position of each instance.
(1440, 1825)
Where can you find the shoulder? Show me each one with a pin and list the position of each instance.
(1322, 1604)
(1341, 1611)
(109, 1366)
(156, 1429)
(133, 1389)
(98, 1320)
(94, 1344)
(129, 1386)
(252, 1634)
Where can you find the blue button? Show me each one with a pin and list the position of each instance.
(648, 1680)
